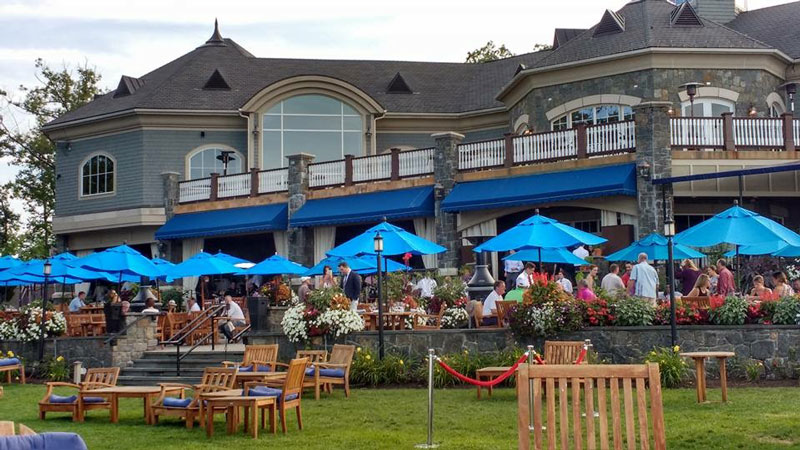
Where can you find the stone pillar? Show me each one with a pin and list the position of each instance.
(138, 339)
(445, 169)
(171, 185)
(653, 160)
(301, 240)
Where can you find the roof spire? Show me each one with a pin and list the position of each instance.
(216, 38)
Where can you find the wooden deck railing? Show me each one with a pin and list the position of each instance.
(237, 185)
(734, 133)
(326, 174)
(194, 190)
(245, 184)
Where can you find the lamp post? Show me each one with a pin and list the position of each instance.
(47, 269)
(225, 157)
(669, 232)
(378, 242)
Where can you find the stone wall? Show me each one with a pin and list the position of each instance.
(91, 351)
(140, 337)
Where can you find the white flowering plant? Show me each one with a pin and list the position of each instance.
(340, 322)
(327, 312)
(454, 317)
(28, 325)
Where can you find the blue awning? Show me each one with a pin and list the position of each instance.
(372, 207)
(791, 167)
(226, 221)
(544, 188)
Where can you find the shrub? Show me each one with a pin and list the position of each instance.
(671, 365)
(600, 311)
(172, 294)
(450, 292)
(634, 311)
(369, 370)
(753, 370)
(57, 369)
(733, 311)
(786, 311)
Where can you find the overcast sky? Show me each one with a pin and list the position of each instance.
(133, 38)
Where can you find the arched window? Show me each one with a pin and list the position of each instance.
(323, 126)
(204, 162)
(97, 175)
(707, 107)
(592, 115)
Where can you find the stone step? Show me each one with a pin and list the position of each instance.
(137, 380)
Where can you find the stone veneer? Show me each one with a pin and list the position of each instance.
(140, 337)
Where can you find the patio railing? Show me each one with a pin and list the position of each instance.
(194, 190)
(734, 133)
(218, 187)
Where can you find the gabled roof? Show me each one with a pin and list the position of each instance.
(684, 15)
(562, 35)
(216, 81)
(398, 85)
(127, 86)
(777, 26)
(611, 22)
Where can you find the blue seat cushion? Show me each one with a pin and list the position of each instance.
(333, 373)
(250, 369)
(175, 402)
(54, 440)
(310, 371)
(61, 399)
(264, 391)
(9, 362)
(93, 399)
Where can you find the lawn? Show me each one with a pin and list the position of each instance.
(755, 418)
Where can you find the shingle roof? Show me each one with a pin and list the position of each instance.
(562, 35)
(777, 26)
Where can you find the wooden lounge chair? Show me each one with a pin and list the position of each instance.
(335, 371)
(10, 366)
(84, 400)
(257, 358)
(696, 302)
(429, 321)
(503, 310)
(557, 389)
(563, 352)
(7, 429)
(479, 316)
(214, 379)
(288, 396)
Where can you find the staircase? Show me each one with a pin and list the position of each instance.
(158, 366)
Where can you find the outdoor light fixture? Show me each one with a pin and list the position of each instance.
(669, 228)
(791, 90)
(669, 232)
(691, 91)
(226, 157)
(378, 243)
(644, 169)
(47, 269)
(378, 247)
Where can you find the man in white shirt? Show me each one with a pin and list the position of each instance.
(512, 270)
(581, 252)
(644, 279)
(193, 306)
(235, 316)
(564, 282)
(490, 304)
(524, 279)
(426, 285)
(77, 303)
(612, 283)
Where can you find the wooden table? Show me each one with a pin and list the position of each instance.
(489, 374)
(231, 405)
(396, 320)
(700, 365)
(146, 393)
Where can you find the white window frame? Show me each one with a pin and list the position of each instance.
(188, 160)
(113, 172)
(704, 105)
(568, 114)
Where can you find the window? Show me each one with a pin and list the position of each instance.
(589, 226)
(686, 221)
(707, 107)
(97, 175)
(317, 124)
(593, 115)
(775, 110)
(204, 162)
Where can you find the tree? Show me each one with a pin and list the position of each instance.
(488, 53)
(9, 224)
(58, 92)
(540, 47)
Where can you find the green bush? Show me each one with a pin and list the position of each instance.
(732, 312)
(172, 294)
(367, 369)
(753, 370)
(57, 369)
(672, 366)
(786, 311)
(634, 311)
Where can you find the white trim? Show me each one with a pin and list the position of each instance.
(710, 92)
(88, 158)
(703, 102)
(109, 219)
(187, 168)
(773, 98)
(592, 100)
(525, 120)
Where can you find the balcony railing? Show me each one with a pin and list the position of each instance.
(412, 163)
(233, 185)
(275, 180)
(326, 174)
(478, 155)
(542, 147)
(734, 133)
(611, 138)
(219, 187)
(194, 190)
(372, 168)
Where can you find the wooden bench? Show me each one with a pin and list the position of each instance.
(9, 370)
(696, 302)
(563, 352)
(566, 399)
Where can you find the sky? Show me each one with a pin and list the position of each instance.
(133, 38)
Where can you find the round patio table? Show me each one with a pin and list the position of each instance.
(700, 366)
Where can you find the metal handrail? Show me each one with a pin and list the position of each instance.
(124, 330)
(183, 333)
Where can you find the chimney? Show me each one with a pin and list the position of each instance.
(720, 11)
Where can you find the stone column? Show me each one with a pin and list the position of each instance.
(171, 182)
(653, 160)
(445, 169)
(301, 240)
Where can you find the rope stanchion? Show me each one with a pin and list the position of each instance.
(430, 443)
(491, 383)
(582, 355)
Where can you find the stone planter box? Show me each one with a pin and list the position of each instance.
(264, 317)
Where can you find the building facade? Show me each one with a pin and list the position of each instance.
(222, 150)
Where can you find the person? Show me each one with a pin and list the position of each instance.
(512, 270)
(113, 297)
(627, 275)
(172, 306)
(426, 285)
(781, 288)
(126, 307)
(327, 278)
(77, 303)
(564, 282)
(304, 289)
(100, 292)
(466, 274)
(702, 287)
(713, 277)
(192, 305)
(581, 252)
(796, 285)
(644, 279)
(612, 283)
(235, 316)
(490, 304)
(150, 307)
(525, 279)
(759, 290)
(584, 292)
(350, 284)
(687, 276)
(725, 284)
(591, 278)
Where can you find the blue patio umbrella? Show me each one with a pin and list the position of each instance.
(765, 248)
(119, 261)
(202, 264)
(276, 265)
(396, 241)
(61, 271)
(8, 261)
(737, 226)
(789, 251)
(231, 259)
(163, 265)
(388, 265)
(538, 232)
(548, 255)
(360, 264)
(655, 246)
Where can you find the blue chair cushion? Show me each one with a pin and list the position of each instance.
(93, 399)
(310, 371)
(250, 369)
(264, 391)
(174, 402)
(54, 440)
(9, 362)
(333, 373)
(61, 399)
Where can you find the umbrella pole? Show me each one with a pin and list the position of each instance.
(540, 260)
(738, 267)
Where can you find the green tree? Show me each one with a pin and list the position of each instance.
(9, 224)
(488, 52)
(540, 47)
(56, 93)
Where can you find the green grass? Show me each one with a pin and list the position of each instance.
(755, 418)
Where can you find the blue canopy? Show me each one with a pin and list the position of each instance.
(543, 188)
(396, 241)
(361, 264)
(8, 261)
(548, 255)
(396, 204)
(737, 226)
(119, 261)
(790, 251)
(276, 265)
(765, 248)
(230, 259)
(538, 231)
(226, 221)
(163, 265)
(202, 264)
(61, 271)
(655, 246)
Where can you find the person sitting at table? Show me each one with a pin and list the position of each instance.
(235, 317)
(525, 279)
(490, 304)
(702, 287)
(192, 305)
(112, 296)
(584, 292)
(713, 277)
(782, 289)
(77, 303)
(759, 290)
(172, 306)
(150, 307)
(304, 289)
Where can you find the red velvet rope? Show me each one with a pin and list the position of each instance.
(491, 383)
(581, 356)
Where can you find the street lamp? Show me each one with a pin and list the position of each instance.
(669, 232)
(46, 270)
(378, 242)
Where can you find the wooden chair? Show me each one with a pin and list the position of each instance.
(7, 429)
(214, 379)
(289, 395)
(696, 302)
(256, 356)
(478, 314)
(335, 371)
(570, 403)
(10, 369)
(563, 352)
(85, 399)
(503, 309)
(430, 321)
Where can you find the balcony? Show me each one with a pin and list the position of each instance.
(249, 184)
(735, 133)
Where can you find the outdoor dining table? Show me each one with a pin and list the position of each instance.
(700, 365)
(396, 320)
(231, 405)
(146, 393)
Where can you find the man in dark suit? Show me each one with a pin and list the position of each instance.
(350, 284)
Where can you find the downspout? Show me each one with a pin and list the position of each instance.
(252, 143)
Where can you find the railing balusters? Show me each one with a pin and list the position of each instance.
(275, 180)
(233, 185)
(326, 174)
(416, 162)
(483, 154)
(194, 190)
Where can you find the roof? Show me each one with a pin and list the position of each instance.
(775, 26)
(249, 219)
(562, 35)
